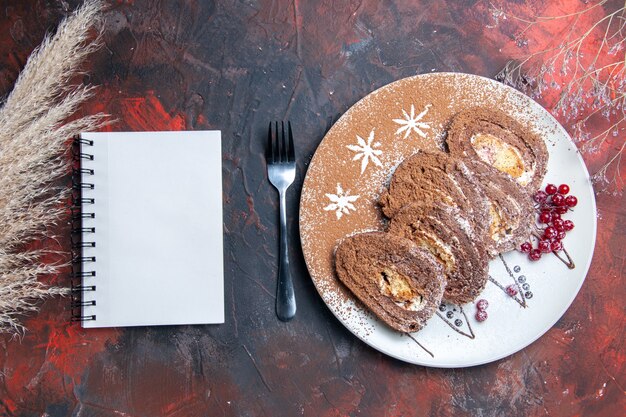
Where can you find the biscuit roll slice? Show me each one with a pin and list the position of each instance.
(436, 177)
(511, 209)
(401, 283)
(444, 232)
(507, 147)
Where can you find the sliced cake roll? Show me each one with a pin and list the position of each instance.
(444, 232)
(510, 220)
(501, 142)
(397, 280)
(436, 177)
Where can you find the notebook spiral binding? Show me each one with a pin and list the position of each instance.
(82, 266)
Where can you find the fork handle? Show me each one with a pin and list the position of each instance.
(285, 296)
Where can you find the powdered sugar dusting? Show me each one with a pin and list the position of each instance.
(366, 151)
(412, 123)
(342, 202)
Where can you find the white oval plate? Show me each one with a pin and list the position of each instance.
(339, 198)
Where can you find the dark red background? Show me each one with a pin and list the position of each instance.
(234, 66)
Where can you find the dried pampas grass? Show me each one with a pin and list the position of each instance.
(34, 137)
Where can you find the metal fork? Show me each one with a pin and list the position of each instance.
(281, 171)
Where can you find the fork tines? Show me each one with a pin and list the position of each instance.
(278, 149)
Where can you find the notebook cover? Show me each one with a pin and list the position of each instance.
(158, 228)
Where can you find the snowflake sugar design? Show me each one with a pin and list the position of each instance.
(412, 122)
(365, 151)
(341, 202)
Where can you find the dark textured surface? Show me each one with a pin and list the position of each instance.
(234, 66)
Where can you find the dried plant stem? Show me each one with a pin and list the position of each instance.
(616, 159)
(34, 137)
(584, 68)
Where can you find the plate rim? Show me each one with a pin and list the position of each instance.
(551, 323)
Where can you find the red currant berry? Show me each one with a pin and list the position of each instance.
(563, 189)
(544, 246)
(571, 201)
(550, 232)
(526, 247)
(545, 217)
(555, 216)
(558, 200)
(558, 225)
(511, 290)
(551, 189)
(540, 197)
(556, 245)
(482, 304)
(481, 315)
(560, 236)
(568, 225)
(534, 255)
(561, 210)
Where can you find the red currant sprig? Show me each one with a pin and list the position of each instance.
(552, 202)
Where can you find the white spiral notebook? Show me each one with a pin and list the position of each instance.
(148, 233)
